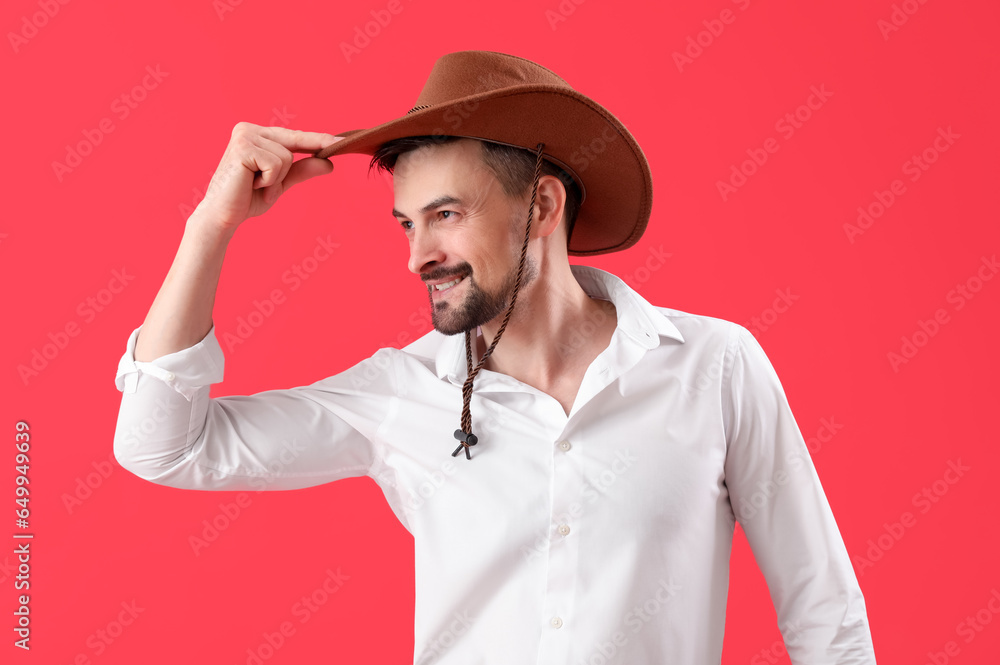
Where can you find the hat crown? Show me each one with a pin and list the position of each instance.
(506, 99)
(466, 73)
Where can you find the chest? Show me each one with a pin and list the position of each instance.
(564, 389)
(644, 447)
(563, 386)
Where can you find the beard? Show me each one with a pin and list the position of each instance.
(480, 306)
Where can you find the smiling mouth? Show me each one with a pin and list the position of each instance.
(437, 288)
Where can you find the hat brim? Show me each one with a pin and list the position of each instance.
(579, 135)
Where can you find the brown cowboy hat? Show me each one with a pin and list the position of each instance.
(506, 99)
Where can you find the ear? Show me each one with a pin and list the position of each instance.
(550, 201)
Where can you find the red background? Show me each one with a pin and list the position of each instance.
(121, 208)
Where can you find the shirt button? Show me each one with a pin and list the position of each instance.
(556, 622)
(170, 376)
(563, 529)
(565, 445)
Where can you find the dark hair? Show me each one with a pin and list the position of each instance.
(513, 167)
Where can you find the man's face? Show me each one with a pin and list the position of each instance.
(460, 225)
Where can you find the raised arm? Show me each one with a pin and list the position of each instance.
(256, 168)
(169, 430)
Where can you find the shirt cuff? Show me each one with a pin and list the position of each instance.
(184, 371)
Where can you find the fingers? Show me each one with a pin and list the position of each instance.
(273, 174)
(297, 140)
(267, 156)
(268, 150)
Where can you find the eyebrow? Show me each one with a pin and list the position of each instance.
(436, 203)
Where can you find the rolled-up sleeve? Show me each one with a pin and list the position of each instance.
(777, 497)
(171, 432)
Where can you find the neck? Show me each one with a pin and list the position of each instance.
(554, 328)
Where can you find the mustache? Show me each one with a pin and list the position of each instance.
(441, 273)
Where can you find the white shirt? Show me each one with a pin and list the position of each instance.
(602, 536)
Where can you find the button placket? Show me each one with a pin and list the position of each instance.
(567, 506)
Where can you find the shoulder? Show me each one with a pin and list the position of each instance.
(701, 330)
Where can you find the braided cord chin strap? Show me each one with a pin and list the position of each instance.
(465, 434)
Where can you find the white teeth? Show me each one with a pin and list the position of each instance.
(447, 285)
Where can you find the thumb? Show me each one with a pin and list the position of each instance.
(303, 169)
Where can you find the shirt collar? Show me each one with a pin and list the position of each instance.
(637, 318)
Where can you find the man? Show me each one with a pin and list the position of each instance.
(581, 508)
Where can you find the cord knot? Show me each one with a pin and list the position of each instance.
(467, 439)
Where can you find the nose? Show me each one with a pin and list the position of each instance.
(425, 251)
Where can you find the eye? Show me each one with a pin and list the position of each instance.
(404, 225)
(446, 212)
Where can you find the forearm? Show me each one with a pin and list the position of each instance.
(181, 313)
